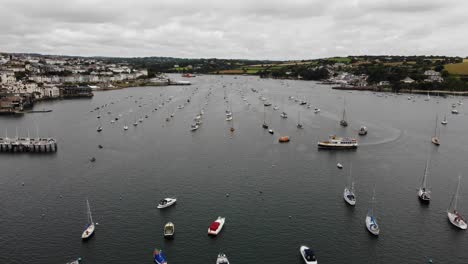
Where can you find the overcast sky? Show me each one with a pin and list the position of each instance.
(249, 29)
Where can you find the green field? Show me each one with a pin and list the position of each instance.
(457, 68)
(340, 59)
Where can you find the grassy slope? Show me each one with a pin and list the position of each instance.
(457, 68)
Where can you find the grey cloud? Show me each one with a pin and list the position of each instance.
(268, 29)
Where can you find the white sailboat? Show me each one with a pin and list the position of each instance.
(452, 213)
(343, 121)
(348, 193)
(371, 221)
(444, 122)
(89, 230)
(424, 193)
(435, 139)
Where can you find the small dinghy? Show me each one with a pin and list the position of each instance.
(159, 257)
(166, 202)
(169, 230)
(308, 255)
(284, 139)
(216, 226)
(222, 259)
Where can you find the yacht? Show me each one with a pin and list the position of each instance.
(453, 215)
(349, 195)
(335, 142)
(166, 202)
(308, 255)
(424, 193)
(371, 221)
(222, 259)
(216, 226)
(89, 230)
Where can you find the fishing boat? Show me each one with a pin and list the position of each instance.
(166, 202)
(222, 259)
(362, 131)
(335, 142)
(216, 226)
(284, 115)
(89, 229)
(371, 221)
(169, 230)
(343, 121)
(424, 193)
(284, 139)
(159, 257)
(453, 215)
(308, 255)
(444, 122)
(435, 139)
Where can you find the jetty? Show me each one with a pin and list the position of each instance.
(31, 145)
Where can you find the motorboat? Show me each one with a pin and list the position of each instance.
(159, 257)
(90, 227)
(216, 226)
(362, 131)
(308, 255)
(222, 259)
(169, 230)
(166, 202)
(335, 142)
(453, 215)
(284, 139)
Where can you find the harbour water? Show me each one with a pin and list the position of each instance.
(280, 196)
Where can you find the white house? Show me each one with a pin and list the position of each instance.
(50, 91)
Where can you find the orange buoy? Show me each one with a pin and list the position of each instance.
(284, 139)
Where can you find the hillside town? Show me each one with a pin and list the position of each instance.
(26, 78)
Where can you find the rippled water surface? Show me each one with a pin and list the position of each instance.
(274, 196)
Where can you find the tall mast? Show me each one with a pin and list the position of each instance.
(89, 212)
(424, 182)
(435, 130)
(456, 194)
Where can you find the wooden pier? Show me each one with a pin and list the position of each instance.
(31, 145)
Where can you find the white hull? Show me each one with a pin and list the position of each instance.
(460, 223)
(424, 195)
(372, 226)
(89, 231)
(169, 230)
(349, 200)
(302, 250)
(222, 259)
(221, 221)
(170, 201)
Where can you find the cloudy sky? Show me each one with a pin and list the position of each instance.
(250, 29)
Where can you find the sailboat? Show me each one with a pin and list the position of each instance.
(264, 125)
(428, 97)
(89, 230)
(453, 215)
(435, 138)
(371, 221)
(348, 193)
(424, 193)
(299, 124)
(444, 122)
(343, 121)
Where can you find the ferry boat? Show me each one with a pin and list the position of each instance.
(335, 142)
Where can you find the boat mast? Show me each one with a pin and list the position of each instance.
(435, 130)
(456, 194)
(344, 110)
(424, 182)
(89, 212)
